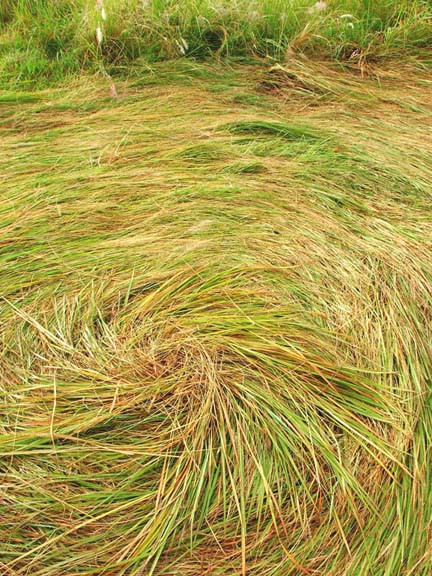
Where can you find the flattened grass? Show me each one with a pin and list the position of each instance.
(215, 329)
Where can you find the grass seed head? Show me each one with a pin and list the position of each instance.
(99, 35)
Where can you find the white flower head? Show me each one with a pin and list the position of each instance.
(99, 35)
(317, 7)
(185, 44)
(180, 46)
(103, 14)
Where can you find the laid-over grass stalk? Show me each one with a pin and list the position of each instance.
(215, 322)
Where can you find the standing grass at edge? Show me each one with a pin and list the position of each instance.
(48, 41)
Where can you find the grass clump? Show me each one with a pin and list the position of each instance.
(285, 131)
(215, 324)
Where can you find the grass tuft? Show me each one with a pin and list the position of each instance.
(285, 131)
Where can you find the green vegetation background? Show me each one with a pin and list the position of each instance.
(46, 40)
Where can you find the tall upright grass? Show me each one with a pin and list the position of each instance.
(54, 39)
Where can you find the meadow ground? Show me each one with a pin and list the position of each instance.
(215, 320)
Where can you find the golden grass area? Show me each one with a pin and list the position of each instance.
(216, 323)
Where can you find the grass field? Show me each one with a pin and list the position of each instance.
(215, 314)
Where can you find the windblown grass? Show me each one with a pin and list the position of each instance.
(216, 324)
(45, 41)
